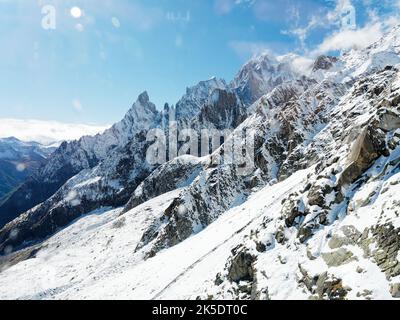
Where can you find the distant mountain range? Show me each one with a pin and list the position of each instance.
(25, 146)
(18, 160)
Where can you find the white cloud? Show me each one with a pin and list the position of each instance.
(302, 32)
(342, 17)
(302, 64)
(349, 39)
(359, 38)
(46, 132)
(341, 22)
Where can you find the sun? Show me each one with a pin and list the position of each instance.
(76, 12)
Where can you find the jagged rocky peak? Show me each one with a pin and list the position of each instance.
(260, 75)
(144, 98)
(141, 116)
(143, 104)
(87, 174)
(195, 97)
(166, 108)
(324, 62)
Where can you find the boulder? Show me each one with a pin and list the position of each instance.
(280, 236)
(350, 237)
(395, 290)
(291, 210)
(318, 193)
(338, 258)
(305, 233)
(241, 268)
(331, 288)
(369, 146)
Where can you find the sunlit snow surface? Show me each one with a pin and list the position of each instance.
(93, 258)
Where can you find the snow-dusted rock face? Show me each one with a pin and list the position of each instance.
(316, 216)
(338, 233)
(178, 173)
(223, 110)
(324, 63)
(259, 76)
(284, 119)
(192, 102)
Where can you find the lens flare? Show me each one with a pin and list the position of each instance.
(76, 12)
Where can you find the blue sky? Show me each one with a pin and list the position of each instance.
(91, 67)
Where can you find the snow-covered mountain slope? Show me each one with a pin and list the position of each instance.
(313, 214)
(211, 264)
(375, 57)
(175, 174)
(107, 259)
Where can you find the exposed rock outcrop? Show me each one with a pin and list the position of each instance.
(369, 146)
(338, 258)
(324, 63)
(387, 241)
(241, 267)
(323, 286)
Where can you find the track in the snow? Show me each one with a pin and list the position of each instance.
(194, 264)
